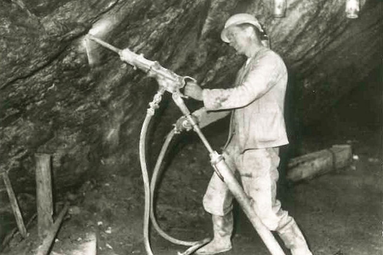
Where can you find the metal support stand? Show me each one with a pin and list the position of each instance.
(224, 172)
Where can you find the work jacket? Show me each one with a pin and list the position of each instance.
(256, 102)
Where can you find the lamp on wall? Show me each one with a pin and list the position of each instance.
(352, 9)
(279, 9)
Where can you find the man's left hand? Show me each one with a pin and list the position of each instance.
(193, 90)
(184, 124)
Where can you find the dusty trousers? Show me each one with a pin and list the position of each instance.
(259, 175)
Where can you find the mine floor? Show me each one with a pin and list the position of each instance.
(340, 212)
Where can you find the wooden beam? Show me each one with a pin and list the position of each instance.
(317, 163)
(44, 193)
(11, 234)
(44, 248)
(15, 205)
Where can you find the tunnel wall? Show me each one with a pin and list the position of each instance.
(53, 102)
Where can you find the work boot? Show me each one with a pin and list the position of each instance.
(294, 239)
(223, 228)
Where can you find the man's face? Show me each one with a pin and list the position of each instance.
(239, 39)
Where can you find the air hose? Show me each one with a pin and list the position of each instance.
(149, 188)
(145, 177)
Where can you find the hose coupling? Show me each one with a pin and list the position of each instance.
(215, 158)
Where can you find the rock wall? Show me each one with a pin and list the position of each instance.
(52, 101)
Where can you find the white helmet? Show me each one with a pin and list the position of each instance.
(238, 19)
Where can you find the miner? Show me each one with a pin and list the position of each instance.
(257, 130)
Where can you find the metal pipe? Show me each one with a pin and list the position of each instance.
(105, 44)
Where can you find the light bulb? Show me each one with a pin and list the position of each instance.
(352, 9)
(279, 8)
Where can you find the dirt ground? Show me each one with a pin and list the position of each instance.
(340, 212)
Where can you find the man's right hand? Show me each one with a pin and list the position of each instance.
(193, 90)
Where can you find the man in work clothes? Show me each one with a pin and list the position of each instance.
(257, 130)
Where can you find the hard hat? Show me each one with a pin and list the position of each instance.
(238, 19)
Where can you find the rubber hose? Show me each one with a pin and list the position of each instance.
(149, 192)
(153, 184)
(145, 177)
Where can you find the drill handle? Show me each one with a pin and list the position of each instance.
(166, 78)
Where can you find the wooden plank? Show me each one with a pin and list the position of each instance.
(44, 193)
(44, 248)
(317, 163)
(14, 205)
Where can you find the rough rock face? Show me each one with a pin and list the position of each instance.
(52, 101)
